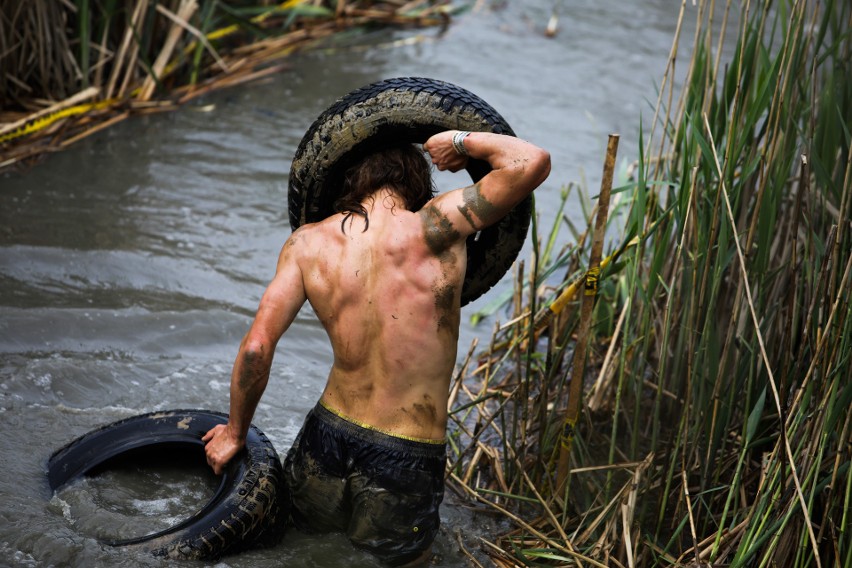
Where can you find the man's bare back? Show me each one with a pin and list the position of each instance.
(388, 296)
(390, 306)
(384, 277)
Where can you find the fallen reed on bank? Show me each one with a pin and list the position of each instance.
(74, 67)
(715, 425)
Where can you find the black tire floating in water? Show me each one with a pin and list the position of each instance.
(409, 109)
(248, 508)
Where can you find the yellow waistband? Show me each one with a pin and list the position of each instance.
(374, 429)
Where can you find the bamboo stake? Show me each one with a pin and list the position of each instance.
(588, 301)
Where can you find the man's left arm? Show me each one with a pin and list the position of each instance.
(278, 307)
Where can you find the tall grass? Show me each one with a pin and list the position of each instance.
(72, 67)
(716, 424)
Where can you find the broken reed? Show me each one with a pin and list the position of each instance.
(716, 416)
(71, 68)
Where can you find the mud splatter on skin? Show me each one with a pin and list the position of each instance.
(474, 203)
(422, 413)
(427, 408)
(252, 370)
(440, 233)
(444, 305)
(294, 239)
(363, 393)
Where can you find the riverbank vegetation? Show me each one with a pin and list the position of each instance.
(714, 423)
(74, 67)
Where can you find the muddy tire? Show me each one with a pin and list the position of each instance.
(248, 509)
(409, 109)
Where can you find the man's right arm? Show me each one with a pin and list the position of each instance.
(518, 167)
(279, 306)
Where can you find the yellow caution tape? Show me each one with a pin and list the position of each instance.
(226, 31)
(43, 122)
(567, 436)
(592, 278)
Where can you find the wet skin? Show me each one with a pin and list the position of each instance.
(386, 287)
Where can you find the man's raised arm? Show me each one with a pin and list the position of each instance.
(517, 168)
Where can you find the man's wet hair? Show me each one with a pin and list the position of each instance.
(403, 168)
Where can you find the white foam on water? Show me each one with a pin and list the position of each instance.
(65, 507)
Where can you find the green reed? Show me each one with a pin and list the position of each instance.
(716, 424)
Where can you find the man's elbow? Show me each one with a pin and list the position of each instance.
(256, 349)
(540, 165)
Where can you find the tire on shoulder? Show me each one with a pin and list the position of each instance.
(248, 509)
(407, 109)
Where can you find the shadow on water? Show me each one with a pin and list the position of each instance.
(131, 263)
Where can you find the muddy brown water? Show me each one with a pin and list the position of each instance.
(131, 264)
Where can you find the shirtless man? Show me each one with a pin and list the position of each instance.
(384, 277)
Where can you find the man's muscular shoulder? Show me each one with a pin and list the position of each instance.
(298, 245)
(309, 234)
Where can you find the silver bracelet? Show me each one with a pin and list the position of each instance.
(458, 142)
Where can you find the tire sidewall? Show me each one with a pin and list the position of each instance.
(248, 508)
(403, 110)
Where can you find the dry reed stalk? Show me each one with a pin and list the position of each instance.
(474, 461)
(821, 341)
(267, 47)
(601, 388)
(702, 550)
(462, 372)
(184, 23)
(187, 8)
(96, 128)
(194, 91)
(688, 500)
(465, 551)
(604, 516)
(543, 503)
(668, 80)
(843, 214)
(575, 393)
(407, 7)
(498, 470)
(121, 61)
(525, 525)
(838, 460)
(475, 438)
(36, 61)
(362, 15)
(128, 75)
(679, 111)
(498, 560)
(104, 55)
(768, 367)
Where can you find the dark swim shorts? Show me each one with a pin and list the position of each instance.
(383, 491)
